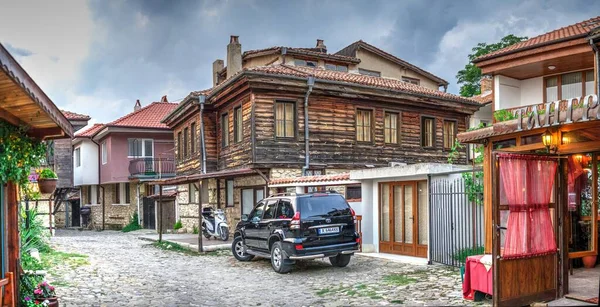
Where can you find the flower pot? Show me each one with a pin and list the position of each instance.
(52, 301)
(47, 186)
(589, 261)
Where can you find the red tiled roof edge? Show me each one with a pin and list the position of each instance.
(304, 179)
(157, 125)
(90, 132)
(74, 116)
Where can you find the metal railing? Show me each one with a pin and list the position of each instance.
(155, 167)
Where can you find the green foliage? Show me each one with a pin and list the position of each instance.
(47, 174)
(474, 186)
(133, 224)
(399, 279)
(19, 153)
(178, 225)
(34, 237)
(469, 76)
(504, 115)
(480, 126)
(462, 254)
(195, 230)
(454, 153)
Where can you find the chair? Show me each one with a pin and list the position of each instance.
(7, 295)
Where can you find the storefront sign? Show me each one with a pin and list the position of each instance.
(590, 102)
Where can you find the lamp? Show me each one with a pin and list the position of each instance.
(548, 140)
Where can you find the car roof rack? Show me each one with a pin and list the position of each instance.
(282, 194)
(330, 191)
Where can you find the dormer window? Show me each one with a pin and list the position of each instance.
(299, 62)
(335, 67)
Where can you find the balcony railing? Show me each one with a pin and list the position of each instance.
(152, 167)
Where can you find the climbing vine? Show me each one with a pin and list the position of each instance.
(19, 153)
(473, 180)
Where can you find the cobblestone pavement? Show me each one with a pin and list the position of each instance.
(126, 271)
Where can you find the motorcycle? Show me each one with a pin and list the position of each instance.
(214, 224)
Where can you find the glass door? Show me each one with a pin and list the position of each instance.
(582, 204)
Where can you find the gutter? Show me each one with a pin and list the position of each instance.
(310, 82)
(202, 100)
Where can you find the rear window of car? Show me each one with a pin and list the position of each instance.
(323, 206)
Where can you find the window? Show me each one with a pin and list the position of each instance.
(271, 209)
(330, 66)
(179, 145)
(411, 80)
(363, 125)
(369, 72)
(229, 196)
(449, 133)
(117, 194)
(140, 148)
(257, 213)
(192, 194)
(77, 157)
(427, 132)
(88, 199)
(285, 117)
(299, 62)
(104, 153)
(127, 193)
(193, 138)
(569, 85)
(237, 124)
(390, 127)
(353, 192)
(225, 130)
(186, 133)
(285, 210)
(314, 172)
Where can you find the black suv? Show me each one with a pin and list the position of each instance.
(288, 227)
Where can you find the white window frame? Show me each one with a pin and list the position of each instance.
(77, 156)
(122, 195)
(104, 153)
(143, 155)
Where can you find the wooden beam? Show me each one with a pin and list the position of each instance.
(12, 230)
(10, 118)
(487, 197)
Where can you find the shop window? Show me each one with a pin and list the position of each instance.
(364, 125)
(353, 192)
(390, 127)
(427, 132)
(449, 133)
(285, 119)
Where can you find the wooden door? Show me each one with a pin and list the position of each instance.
(519, 282)
(400, 220)
(149, 213)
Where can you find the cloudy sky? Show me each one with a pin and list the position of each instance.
(98, 57)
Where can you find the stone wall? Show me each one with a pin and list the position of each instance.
(116, 215)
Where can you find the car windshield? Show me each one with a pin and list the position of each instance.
(323, 206)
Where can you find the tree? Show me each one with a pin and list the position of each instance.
(469, 76)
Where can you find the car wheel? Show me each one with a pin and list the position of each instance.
(239, 251)
(278, 259)
(224, 233)
(340, 260)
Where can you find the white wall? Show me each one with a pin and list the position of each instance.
(512, 93)
(87, 173)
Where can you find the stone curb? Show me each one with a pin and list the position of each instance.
(192, 247)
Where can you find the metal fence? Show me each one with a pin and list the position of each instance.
(456, 213)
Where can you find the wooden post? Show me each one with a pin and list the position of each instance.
(160, 214)
(200, 248)
(12, 230)
(488, 229)
(50, 215)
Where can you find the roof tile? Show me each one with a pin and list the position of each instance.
(146, 117)
(90, 131)
(74, 116)
(304, 179)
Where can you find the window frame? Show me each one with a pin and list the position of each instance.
(434, 132)
(304, 63)
(117, 194)
(337, 67)
(444, 133)
(559, 84)
(368, 72)
(143, 153)
(193, 138)
(77, 155)
(294, 134)
(186, 139)
(104, 153)
(227, 197)
(398, 127)
(179, 140)
(359, 186)
(225, 130)
(411, 80)
(372, 125)
(238, 124)
(127, 192)
(192, 194)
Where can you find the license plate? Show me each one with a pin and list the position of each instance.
(328, 230)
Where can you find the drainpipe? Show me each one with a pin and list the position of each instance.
(310, 82)
(597, 52)
(202, 100)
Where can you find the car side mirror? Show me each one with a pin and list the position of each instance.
(244, 217)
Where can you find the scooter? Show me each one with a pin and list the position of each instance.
(214, 224)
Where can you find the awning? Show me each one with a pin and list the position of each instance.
(198, 177)
(312, 181)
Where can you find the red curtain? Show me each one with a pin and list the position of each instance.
(527, 183)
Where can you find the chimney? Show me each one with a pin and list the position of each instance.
(164, 99)
(234, 56)
(485, 83)
(137, 106)
(217, 67)
(321, 46)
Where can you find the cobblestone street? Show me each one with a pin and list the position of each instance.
(126, 271)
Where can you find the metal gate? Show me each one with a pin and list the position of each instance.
(456, 218)
(148, 213)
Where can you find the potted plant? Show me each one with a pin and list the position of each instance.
(44, 295)
(47, 181)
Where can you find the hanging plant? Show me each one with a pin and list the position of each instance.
(19, 153)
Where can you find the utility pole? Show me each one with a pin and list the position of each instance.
(160, 214)
(200, 248)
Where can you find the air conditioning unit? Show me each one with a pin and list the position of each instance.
(395, 164)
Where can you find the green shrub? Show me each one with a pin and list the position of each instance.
(133, 224)
(47, 174)
(504, 115)
(178, 225)
(35, 236)
(195, 230)
(462, 254)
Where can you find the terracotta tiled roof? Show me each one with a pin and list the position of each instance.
(90, 132)
(484, 98)
(74, 116)
(573, 31)
(379, 82)
(146, 117)
(304, 51)
(305, 179)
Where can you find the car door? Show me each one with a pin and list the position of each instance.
(251, 230)
(265, 226)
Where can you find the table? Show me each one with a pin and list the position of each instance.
(477, 278)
